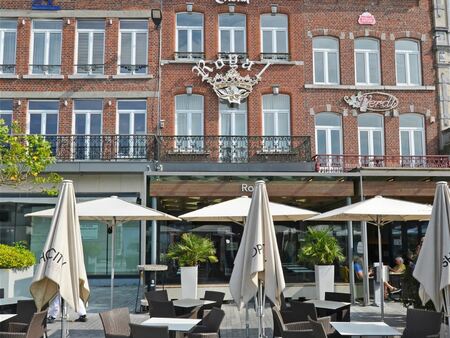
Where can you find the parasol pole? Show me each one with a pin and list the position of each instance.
(64, 331)
(260, 309)
(381, 272)
(113, 225)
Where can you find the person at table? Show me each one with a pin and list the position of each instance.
(399, 266)
(358, 267)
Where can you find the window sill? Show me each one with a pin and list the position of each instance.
(359, 87)
(189, 153)
(183, 61)
(280, 62)
(132, 76)
(42, 76)
(9, 76)
(274, 153)
(87, 77)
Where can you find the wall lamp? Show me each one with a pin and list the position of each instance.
(275, 89)
(189, 90)
(231, 8)
(189, 7)
(274, 9)
(156, 17)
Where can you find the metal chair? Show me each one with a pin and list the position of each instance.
(157, 295)
(422, 324)
(304, 311)
(290, 330)
(317, 328)
(25, 312)
(116, 323)
(143, 331)
(216, 297)
(161, 309)
(36, 328)
(343, 315)
(209, 327)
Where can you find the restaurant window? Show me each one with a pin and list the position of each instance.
(8, 36)
(233, 131)
(407, 62)
(274, 37)
(232, 34)
(46, 51)
(43, 120)
(6, 112)
(133, 47)
(326, 60)
(189, 123)
(367, 61)
(132, 128)
(90, 43)
(412, 138)
(276, 123)
(88, 126)
(189, 36)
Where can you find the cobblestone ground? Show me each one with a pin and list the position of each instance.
(232, 327)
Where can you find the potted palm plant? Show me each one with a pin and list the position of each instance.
(189, 253)
(322, 250)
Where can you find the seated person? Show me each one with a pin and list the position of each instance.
(357, 265)
(399, 267)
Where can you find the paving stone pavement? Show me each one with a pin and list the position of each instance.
(233, 325)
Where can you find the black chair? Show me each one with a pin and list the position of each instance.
(161, 309)
(25, 312)
(305, 311)
(144, 331)
(343, 315)
(289, 330)
(422, 324)
(2, 293)
(209, 326)
(216, 297)
(158, 296)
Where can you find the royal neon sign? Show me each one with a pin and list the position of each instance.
(45, 5)
(374, 101)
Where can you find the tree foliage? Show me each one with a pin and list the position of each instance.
(192, 250)
(16, 256)
(320, 248)
(24, 158)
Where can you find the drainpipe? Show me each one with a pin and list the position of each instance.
(144, 223)
(365, 249)
(443, 100)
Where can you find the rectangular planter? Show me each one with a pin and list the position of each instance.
(16, 282)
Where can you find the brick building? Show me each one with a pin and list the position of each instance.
(328, 101)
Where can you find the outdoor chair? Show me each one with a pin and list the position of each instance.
(342, 315)
(157, 295)
(317, 328)
(2, 293)
(143, 331)
(116, 323)
(36, 328)
(216, 297)
(161, 309)
(304, 311)
(25, 311)
(422, 324)
(209, 327)
(290, 330)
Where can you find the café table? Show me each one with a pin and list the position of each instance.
(191, 302)
(12, 300)
(328, 304)
(173, 324)
(6, 317)
(365, 329)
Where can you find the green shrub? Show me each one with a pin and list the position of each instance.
(192, 250)
(16, 256)
(320, 248)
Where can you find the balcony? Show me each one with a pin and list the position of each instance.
(275, 57)
(90, 69)
(345, 163)
(7, 69)
(45, 69)
(189, 55)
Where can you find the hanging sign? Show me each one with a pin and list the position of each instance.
(230, 85)
(221, 2)
(46, 5)
(374, 101)
(366, 19)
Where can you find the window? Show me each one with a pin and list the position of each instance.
(412, 136)
(276, 126)
(88, 126)
(90, 41)
(407, 62)
(326, 60)
(8, 35)
(189, 123)
(367, 61)
(329, 140)
(371, 139)
(274, 35)
(131, 128)
(46, 52)
(189, 36)
(232, 33)
(133, 47)
(43, 120)
(233, 131)
(6, 112)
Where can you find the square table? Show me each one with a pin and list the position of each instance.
(328, 304)
(6, 317)
(365, 329)
(174, 324)
(191, 302)
(12, 300)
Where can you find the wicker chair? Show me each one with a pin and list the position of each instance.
(304, 311)
(209, 327)
(25, 311)
(422, 324)
(317, 328)
(343, 315)
(158, 296)
(290, 330)
(36, 328)
(116, 323)
(161, 309)
(143, 331)
(216, 297)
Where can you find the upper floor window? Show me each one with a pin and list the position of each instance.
(6, 112)
(370, 129)
(43, 117)
(274, 36)
(232, 33)
(8, 35)
(88, 127)
(412, 135)
(133, 47)
(46, 52)
(328, 134)
(326, 60)
(407, 62)
(367, 61)
(132, 127)
(189, 36)
(90, 41)
(189, 122)
(276, 122)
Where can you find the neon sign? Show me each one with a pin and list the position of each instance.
(45, 5)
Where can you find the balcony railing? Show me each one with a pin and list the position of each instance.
(90, 68)
(189, 55)
(242, 56)
(132, 69)
(7, 69)
(345, 163)
(276, 56)
(45, 69)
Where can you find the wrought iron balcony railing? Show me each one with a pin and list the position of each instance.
(90, 68)
(225, 55)
(344, 163)
(189, 55)
(276, 56)
(7, 69)
(133, 69)
(45, 69)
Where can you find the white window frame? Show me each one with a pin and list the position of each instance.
(370, 131)
(407, 54)
(274, 31)
(325, 52)
(189, 30)
(366, 53)
(47, 32)
(196, 143)
(2, 47)
(91, 32)
(7, 112)
(44, 114)
(88, 113)
(133, 32)
(233, 113)
(276, 113)
(410, 131)
(132, 112)
(232, 30)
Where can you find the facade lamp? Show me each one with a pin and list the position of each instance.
(231, 8)
(156, 17)
(275, 89)
(274, 9)
(189, 90)
(189, 7)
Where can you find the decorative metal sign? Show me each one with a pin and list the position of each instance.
(46, 5)
(366, 19)
(374, 101)
(231, 86)
(232, 1)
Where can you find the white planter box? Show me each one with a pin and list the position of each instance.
(189, 281)
(324, 276)
(16, 282)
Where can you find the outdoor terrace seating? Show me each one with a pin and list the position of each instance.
(116, 323)
(289, 330)
(422, 324)
(36, 328)
(209, 326)
(143, 331)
